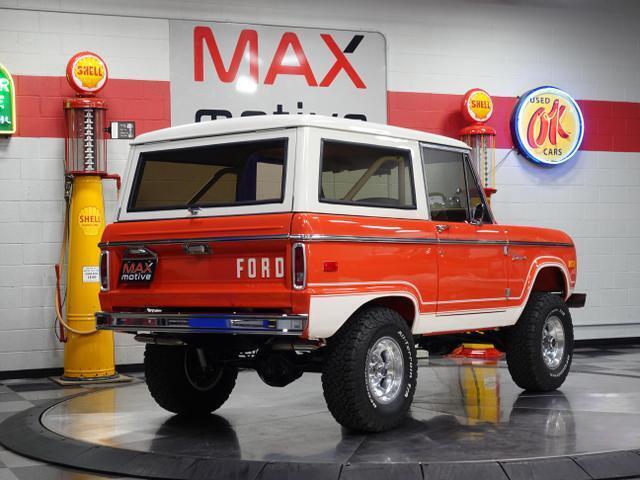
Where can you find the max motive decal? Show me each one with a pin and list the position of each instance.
(137, 270)
(281, 64)
(222, 70)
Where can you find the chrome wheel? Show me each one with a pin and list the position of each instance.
(385, 370)
(552, 342)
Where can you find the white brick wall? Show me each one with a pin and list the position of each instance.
(594, 199)
(31, 214)
(590, 48)
(41, 43)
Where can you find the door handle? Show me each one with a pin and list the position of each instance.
(442, 228)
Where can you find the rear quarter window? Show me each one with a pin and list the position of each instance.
(366, 175)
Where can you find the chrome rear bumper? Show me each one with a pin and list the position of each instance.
(263, 324)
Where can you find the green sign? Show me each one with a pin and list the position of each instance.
(7, 102)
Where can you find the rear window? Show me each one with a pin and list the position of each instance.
(368, 175)
(230, 174)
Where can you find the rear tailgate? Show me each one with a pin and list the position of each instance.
(213, 263)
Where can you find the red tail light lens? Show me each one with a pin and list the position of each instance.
(299, 266)
(104, 270)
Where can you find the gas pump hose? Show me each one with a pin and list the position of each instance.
(58, 268)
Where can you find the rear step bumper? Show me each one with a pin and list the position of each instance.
(261, 324)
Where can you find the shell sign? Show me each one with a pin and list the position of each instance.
(477, 106)
(87, 73)
(90, 220)
(547, 126)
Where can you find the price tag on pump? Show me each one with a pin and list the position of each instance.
(90, 274)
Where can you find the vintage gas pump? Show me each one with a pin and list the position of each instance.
(477, 108)
(88, 353)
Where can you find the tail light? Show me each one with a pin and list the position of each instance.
(104, 270)
(299, 266)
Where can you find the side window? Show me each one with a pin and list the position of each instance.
(475, 195)
(369, 175)
(446, 186)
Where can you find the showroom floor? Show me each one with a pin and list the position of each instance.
(462, 412)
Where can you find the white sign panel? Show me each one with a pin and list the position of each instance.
(223, 70)
(90, 274)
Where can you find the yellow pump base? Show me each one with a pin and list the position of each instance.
(90, 356)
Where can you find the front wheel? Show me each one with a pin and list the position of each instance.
(370, 371)
(540, 345)
(187, 381)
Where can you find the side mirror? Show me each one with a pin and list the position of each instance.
(478, 214)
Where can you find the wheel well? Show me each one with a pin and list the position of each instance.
(403, 305)
(550, 279)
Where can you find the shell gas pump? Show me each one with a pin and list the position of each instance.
(88, 353)
(477, 108)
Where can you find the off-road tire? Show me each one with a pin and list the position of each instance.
(344, 378)
(170, 387)
(524, 345)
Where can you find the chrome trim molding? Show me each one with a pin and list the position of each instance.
(186, 241)
(354, 238)
(519, 243)
(265, 324)
(329, 238)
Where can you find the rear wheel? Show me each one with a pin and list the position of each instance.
(370, 371)
(187, 380)
(540, 345)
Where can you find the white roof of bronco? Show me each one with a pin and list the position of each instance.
(270, 122)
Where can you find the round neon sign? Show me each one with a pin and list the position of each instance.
(547, 126)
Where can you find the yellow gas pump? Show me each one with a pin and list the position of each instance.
(89, 354)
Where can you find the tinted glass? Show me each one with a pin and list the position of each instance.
(369, 175)
(214, 175)
(475, 195)
(446, 186)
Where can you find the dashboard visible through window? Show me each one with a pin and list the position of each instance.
(452, 188)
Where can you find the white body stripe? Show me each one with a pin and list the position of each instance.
(328, 312)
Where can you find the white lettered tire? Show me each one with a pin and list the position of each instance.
(540, 345)
(370, 371)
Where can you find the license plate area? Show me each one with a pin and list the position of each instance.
(138, 266)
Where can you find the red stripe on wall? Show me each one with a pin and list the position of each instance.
(40, 113)
(609, 126)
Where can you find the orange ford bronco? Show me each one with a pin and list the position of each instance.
(294, 244)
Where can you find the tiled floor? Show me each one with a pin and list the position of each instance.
(17, 395)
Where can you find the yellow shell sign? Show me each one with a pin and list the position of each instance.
(477, 105)
(87, 72)
(547, 126)
(90, 220)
